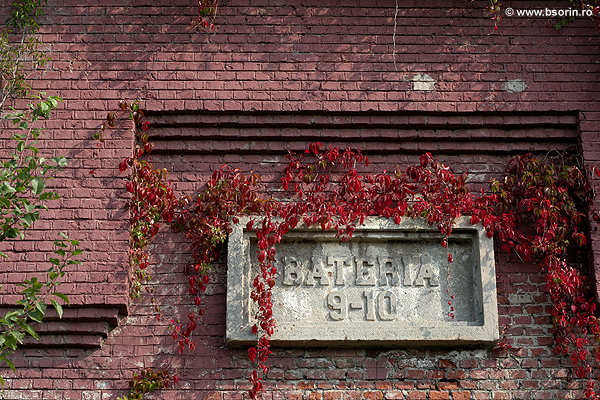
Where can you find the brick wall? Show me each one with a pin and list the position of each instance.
(278, 75)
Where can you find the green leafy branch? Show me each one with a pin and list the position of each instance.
(19, 53)
(35, 298)
(23, 192)
(24, 175)
(24, 14)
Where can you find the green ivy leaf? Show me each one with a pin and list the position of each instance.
(37, 186)
(12, 233)
(57, 307)
(10, 365)
(9, 317)
(54, 100)
(6, 188)
(49, 196)
(29, 329)
(27, 220)
(60, 161)
(62, 296)
(13, 338)
(36, 315)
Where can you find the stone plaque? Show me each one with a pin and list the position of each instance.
(389, 285)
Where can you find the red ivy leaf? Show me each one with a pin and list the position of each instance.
(252, 353)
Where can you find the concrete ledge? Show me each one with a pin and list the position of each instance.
(389, 285)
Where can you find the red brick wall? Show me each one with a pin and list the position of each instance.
(278, 75)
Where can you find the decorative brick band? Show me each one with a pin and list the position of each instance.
(82, 327)
(382, 133)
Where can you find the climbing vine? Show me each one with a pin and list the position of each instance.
(555, 195)
(152, 198)
(328, 189)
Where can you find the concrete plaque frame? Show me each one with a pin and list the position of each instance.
(388, 286)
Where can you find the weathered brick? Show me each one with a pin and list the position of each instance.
(267, 59)
(333, 395)
(416, 395)
(373, 395)
(461, 395)
(439, 395)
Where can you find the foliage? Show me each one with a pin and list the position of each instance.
(23, 177)
(206, 223)
(326, 188)
(23, 192)
(17, 61)
(207, 12)
(554, 194)
(147, 381)
(24, 15)
(593, 5)
(19, 53)
(557, 197)
(36, 296)
(151, 199)
(328, 191)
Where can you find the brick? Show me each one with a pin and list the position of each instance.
(373, 395)
(461, 395)
(394, 395)
(404, 385)
(333, 395)
(443, 385)
(415, 395)
(305, 385)
(439, 395)
(479, 374)
(334, 61)
(415, 374)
